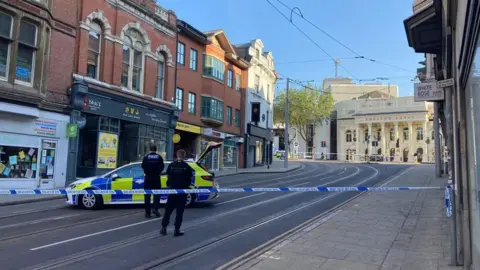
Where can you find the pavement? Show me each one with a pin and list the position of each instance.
(275, 167)
(55, 236)
(377, 230)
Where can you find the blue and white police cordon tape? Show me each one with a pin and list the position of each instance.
(203, 190)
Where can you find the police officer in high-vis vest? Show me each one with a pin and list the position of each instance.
(152, 166)
(179, 175)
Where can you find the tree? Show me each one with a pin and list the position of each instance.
(307, 106)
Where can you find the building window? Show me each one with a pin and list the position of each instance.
(392, 134)
(366, 135)
(192, 100)
(160, 77)
(179, 98)
(24, 70)
(405, 134)
(257, 53)
(238, 82)
(6, 25)
(94, 49)
(214, 67)
(237, 118)
(349, 136)
(212, 108)
(419, 134)
(354, 135)
(193, 59)
(181, 53)
(257, 83)
(379, 134)
(132, 68)
(433, 134)
(229, 115)
(18, 162)
(230, 79)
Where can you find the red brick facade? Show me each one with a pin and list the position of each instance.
(51, 74)
(156, 28)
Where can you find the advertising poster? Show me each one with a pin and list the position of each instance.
(107, 150)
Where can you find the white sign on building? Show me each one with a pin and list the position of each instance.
(428, 91)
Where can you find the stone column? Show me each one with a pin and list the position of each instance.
(357, 143)
(383, 145)
(411, 142)
(369, 147)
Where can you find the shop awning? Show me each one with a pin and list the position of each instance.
(20, 110)
(424, 27)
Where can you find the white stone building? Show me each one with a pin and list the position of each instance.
(258, 102)
(369, 120)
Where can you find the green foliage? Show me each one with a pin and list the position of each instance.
(307, 106)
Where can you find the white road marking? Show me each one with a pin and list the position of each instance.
(39, 221)
(254, 195)
(151, 220)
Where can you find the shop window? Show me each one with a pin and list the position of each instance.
(133, 59)
(94, 48)
(212, 108)
(88, 149)
(47, 160)
(18, 162)
(214, 67)
(229, 154)
(109, 124)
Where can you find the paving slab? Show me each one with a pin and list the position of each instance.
(378, 230)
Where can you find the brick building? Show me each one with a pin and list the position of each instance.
(210, 79)
(124, 84)
(37, 41)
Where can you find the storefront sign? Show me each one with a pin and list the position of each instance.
(125, 111)
(213, 133)
(390, 118)
(45, 127)
(72, 130)
(107, 150)
(257, 131)
(188, 128)
(428, 92)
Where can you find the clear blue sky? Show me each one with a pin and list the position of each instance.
(372, 28)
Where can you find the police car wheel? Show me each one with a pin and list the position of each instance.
(190, 200)
(91, 201)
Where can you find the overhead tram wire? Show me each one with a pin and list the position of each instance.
(359, 56)
(313, 41)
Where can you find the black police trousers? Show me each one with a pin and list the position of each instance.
(156, 198)
(175, 201)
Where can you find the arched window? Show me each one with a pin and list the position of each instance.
(419, 134)
(349, 136)
(160, 76)
(133, 58)
(94, 50)
(392, 134)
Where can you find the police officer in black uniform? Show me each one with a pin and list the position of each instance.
(152, 166)
(179, 175)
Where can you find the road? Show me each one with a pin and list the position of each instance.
(50, 235)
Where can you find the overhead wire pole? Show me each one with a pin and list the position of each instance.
(286, 138)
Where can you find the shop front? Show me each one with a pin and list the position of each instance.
(187, 138)
(118, 131)
(258, 147)
(33, 147)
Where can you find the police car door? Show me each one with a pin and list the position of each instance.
(122, 180)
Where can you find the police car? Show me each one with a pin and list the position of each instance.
(130, 177)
